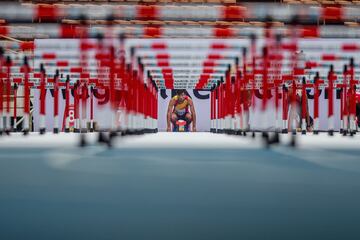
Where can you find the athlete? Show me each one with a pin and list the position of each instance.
(178, 109)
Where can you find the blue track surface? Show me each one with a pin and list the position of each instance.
(174, 193)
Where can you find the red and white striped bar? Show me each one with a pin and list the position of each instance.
(135, 31)
(14, 12)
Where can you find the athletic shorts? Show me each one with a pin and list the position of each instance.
(181, 117)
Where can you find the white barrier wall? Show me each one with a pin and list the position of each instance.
(201, 101)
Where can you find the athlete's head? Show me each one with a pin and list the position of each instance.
(181, 93)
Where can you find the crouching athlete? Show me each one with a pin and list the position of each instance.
(178, 109)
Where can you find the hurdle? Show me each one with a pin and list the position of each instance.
(143, 67)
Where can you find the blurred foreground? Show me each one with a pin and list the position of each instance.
(179, 186)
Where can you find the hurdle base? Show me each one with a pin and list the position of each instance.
(316, 132)
(265, 134)
(231, 132)
(83, 142)
(109, 143)
(7, 132)
(220, 131)
(150, 130)
(253, 135)
(102, 138)
(26, 132)
(238, 132)
(275, 139)
(134, 132)
(113, 134)
(293, 141)
(139, 132)
(147, 130)
(42, 131)
(130, 132)
(285, 131)
(56, 130)
(265, 137)
(331, 132)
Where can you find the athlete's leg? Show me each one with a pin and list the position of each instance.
(188, 119)
(174, 118)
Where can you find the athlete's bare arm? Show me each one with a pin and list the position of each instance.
(193, 113)
(168, 115)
